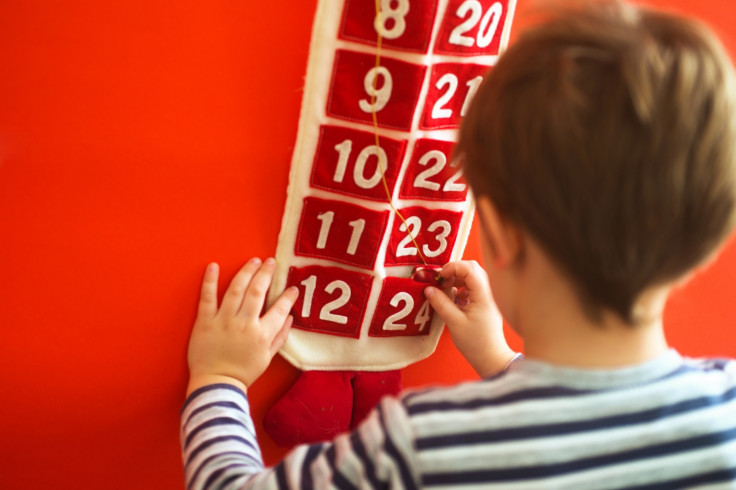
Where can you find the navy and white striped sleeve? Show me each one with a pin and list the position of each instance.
(220, 449)
(218, 438)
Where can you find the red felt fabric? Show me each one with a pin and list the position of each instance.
(346, 233)
(354, 71)
(369, 388)
(331, 300)
(408, 26)
(402, 309)
(434, 230)
(471, 28)
(432, 175)
(322, 404)
(346, 162)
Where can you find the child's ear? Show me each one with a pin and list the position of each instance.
(504, 239)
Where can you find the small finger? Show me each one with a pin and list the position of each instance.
(282, 334)
(467, 274)
(280, 309)
(233, 299)
(443, 306)
(208, 294)
(255, 295)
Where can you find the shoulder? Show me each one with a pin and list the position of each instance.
(713, 364)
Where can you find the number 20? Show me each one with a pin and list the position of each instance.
(485, 31)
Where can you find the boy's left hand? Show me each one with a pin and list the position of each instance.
(233, 343)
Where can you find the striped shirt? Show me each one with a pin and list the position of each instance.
(669, 423)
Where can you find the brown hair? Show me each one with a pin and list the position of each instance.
(607, 133)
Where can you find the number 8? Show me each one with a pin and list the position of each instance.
(398, 15)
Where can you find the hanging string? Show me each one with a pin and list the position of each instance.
(379, 22)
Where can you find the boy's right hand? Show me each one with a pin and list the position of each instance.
(471, 316)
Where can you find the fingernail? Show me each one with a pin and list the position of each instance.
(255, 260)
(428, 292)
(270, 261)
(293, 290)
(212, 267)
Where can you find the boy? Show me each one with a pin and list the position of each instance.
(601, 153)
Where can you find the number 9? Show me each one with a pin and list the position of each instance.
(379, 96)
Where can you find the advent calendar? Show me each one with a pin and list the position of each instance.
(374, 191)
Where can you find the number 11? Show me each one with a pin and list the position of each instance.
(326, 218)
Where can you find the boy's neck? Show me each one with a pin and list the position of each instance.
(556, 329)
(595, 346)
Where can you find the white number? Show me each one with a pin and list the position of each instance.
(358, 227)
(379, 96)
(326, 313)
(309, 284)
(423, 316)
(324, 229)
(440, 237)
(439, 111)
(476, 11)
(363, 156)
(345, 148)
(440, 160)
(487, 27)
(484, 38)
(390, 323)
(452, 184)
(414, 224)
(397, 15)
(473, 85)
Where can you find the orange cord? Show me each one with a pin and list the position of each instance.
(375, 132)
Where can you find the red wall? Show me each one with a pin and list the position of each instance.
(140, 140)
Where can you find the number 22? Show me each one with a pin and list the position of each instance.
(440, 160)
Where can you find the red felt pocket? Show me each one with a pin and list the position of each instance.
(359, 88)
(403, 25)
(432, 175)
(331, 300)
(472, 27)
(451, 88)
(402, 309)
(434, 230)
(340, 231)
(347, 162)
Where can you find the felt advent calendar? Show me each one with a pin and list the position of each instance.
(375, 198)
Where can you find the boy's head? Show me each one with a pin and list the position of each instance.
(608, 134)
